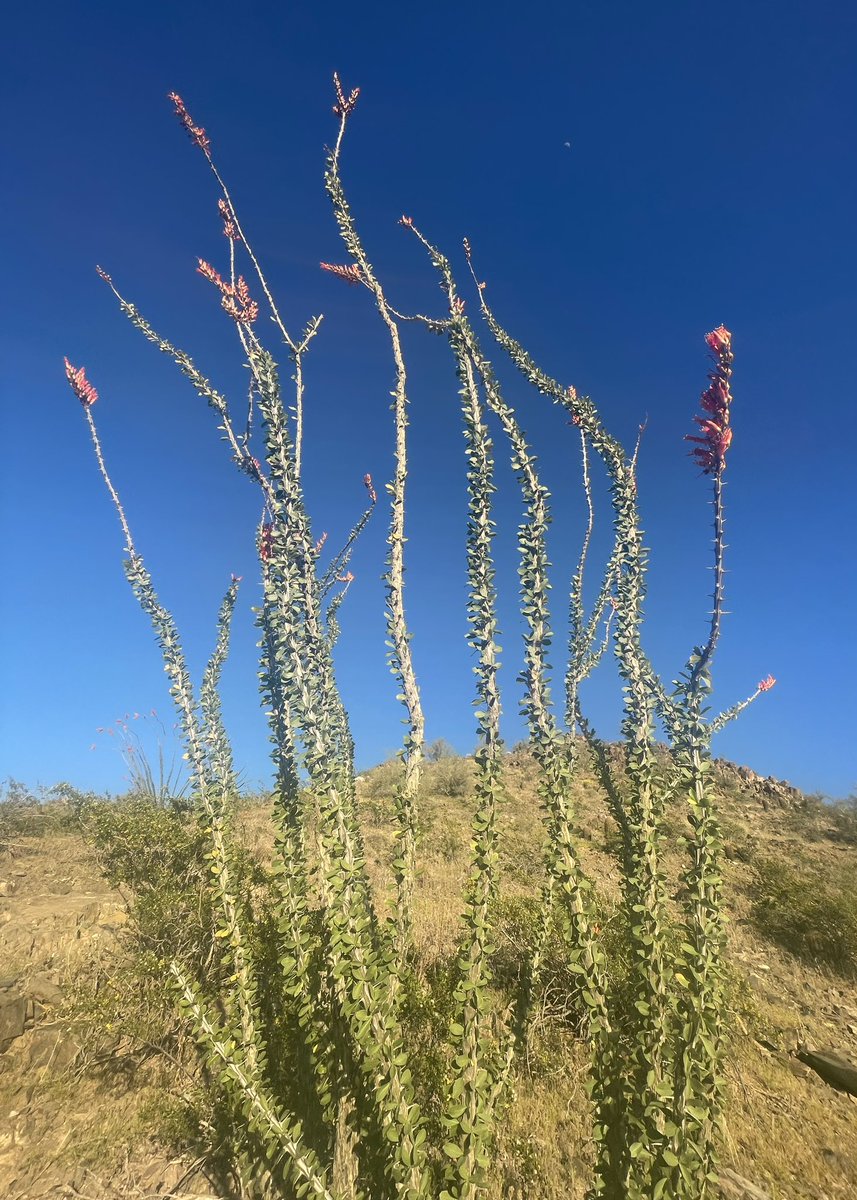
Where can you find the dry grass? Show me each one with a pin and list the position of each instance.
(786, 1130)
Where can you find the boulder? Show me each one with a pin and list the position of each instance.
(13, 1018)
(833, 1069)
(735, 1187)
(41, 988)
(47, 1046)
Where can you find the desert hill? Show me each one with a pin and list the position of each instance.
(98, 1092)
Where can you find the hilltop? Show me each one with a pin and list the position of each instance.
(91, 1106)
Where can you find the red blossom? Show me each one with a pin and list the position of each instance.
(80, 385)
(266, 541)
(238, 303)
(236, 298)
(709, 452)
(719, 340)
(370, 487)
(230, 229)
(766, 684)
(208, 272)
(344, 105)
(350, 274)
(195, 132)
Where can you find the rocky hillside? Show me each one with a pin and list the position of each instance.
(89, 1110)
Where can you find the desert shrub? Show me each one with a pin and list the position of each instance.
(160, 855)
(450, 777)
(25, 812)
(140, 844)
(518, 929)
(381, 782)
(445, 840)
(439, 749)
(842, 815)
(812, 913)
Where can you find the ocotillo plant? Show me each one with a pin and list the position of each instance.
(331, 1110)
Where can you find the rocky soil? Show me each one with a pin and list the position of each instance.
(58, 921)
(69, 1128)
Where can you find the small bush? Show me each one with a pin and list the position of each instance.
(813, 915)
(440, 749)
(843, 817)
(449, 777)
(382, 781)
(518, 925)
(141, 844)
(33, 813)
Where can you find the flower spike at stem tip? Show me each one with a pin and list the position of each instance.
(80, 385)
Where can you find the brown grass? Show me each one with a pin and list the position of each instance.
(785, 1129)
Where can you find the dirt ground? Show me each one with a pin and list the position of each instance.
(69, 1128)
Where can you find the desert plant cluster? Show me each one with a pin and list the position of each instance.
(302, 985)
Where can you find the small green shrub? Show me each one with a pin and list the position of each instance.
(811, 913)
(518, 927)
(843, 818)
(449, 777)
(25, 812)
(381, 782)
(142, 845)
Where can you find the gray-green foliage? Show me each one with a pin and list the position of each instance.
(317, 1066)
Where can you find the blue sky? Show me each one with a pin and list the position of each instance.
(710, 178)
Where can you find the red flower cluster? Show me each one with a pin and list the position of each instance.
(195, 133)
(719, 340)
(765, 685)
(235, 299)
(710, 451)
(230, 229)
(80, 385)
(349, 274)
(344, 106)
(370, 488)
(266, 541)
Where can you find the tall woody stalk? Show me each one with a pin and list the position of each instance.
(404, 863)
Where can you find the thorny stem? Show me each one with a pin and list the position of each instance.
(211, 799)
(218, 402)
(296, 349)
(396, 621)
(576, 599)
(717, 605)
(117, 503)
(729, 714)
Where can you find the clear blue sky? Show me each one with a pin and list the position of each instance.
(710, 178)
